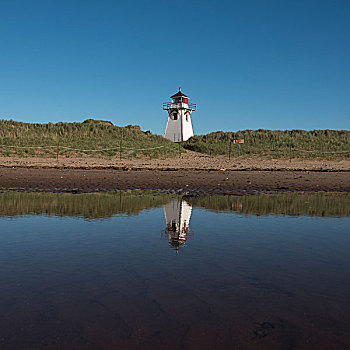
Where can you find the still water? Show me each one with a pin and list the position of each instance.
(132, 271)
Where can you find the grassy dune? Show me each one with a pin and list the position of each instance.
(275, 143)
(88, 135)
(97, 134)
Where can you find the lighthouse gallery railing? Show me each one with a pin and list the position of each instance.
(170, 105)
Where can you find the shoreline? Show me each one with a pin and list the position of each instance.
(207, 169)
(188, 161)
(189, 182)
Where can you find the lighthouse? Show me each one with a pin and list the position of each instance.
(179, 126)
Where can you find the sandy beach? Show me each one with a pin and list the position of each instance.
(192, 173)
(189, 161)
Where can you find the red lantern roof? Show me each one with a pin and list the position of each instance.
(179, 94)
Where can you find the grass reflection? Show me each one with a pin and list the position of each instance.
(105, 205)
(294, 204)
(88, 206)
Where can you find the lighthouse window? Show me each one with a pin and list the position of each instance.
(186, 117)
(175, 116)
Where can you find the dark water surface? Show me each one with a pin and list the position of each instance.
(113, 271)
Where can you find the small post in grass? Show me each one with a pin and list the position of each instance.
(229, 150)
(120, 150)
(57, 151)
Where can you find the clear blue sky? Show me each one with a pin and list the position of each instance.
(274, 64)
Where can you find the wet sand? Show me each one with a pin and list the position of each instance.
(182, 181)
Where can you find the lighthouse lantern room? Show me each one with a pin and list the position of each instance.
(179, 126)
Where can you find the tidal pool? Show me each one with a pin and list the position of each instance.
(159, 271)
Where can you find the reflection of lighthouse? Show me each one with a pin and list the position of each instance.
(177, 216)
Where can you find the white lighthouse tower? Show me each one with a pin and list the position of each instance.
(179, 126)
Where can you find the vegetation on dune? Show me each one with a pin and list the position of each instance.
(275, 143)
(100, 134)
(89, 135)
(97, 121)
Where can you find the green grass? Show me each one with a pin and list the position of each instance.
(275, 143)
(98, 134)
(87, 135)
